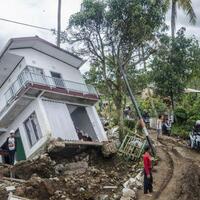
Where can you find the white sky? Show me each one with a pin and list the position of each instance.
(44, 13)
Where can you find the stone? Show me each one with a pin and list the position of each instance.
(109, 149)
(81, 189)
(76, 165)
(103, 197)
(56, 145)
(128, 194)
(10, 188)
(130, 183)
(59, 169)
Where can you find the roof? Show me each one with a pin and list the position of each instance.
(190, 90)
(9, 61)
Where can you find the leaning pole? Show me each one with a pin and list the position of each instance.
(144, 129)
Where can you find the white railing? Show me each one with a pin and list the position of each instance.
(27, 77)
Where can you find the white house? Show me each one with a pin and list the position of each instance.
(43, 95)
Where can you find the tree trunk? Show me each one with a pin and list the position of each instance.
(118, 101)
(173, 18)
(172, 101)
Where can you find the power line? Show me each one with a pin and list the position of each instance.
(24, 24)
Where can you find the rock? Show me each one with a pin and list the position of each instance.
(130, 183)
(81, 189)
(103, 197)
(56, 145)
(76, 165)
(59, 169)
(128, 194)
(76, 168)
(139, 176)
(109, 149)
(49, 185)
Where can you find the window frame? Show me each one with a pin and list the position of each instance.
(35, 129)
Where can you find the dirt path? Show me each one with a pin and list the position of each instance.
(177, 176)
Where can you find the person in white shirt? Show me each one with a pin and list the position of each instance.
(11, 147)
(159, 126)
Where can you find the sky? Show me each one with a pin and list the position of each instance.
(44, 13)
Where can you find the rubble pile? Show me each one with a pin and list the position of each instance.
(88, 175)
(131, 187)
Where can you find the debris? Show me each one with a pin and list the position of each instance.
(84, 175)
(110, 187)
(109, 149)
(14, 197)
(128, 194)
(10, 188)
(131, 186)
(14, 180)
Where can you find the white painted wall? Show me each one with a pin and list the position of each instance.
(60, 120)
(10, 81)
(36, 106)
(97, 125)
(48, 64)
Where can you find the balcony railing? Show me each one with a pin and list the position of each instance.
(27, 77)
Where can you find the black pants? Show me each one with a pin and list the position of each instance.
(148, 183)
(11, 157)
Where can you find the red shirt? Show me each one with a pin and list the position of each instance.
(147, 163)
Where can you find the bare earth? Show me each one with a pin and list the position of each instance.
(177, 175)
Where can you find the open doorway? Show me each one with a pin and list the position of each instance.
(20, 153)
(82, 123)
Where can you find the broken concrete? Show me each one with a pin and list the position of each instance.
(87, 175)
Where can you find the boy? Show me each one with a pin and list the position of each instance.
(148, 179)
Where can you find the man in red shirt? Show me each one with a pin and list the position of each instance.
(148, 179)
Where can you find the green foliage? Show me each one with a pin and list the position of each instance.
(186, 114)
(173, 64)
(146, 105)
(180, 131)
(111, 32)
(181, 115)
(129, 123)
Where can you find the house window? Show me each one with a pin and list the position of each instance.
(35, 70)
(33, 130)
(36, 75)
(58, 81)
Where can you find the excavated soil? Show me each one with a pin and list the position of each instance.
(87, 175)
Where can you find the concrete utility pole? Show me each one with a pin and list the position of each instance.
(145, 131)
(59, 23)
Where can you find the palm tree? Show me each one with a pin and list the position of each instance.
(186, 5)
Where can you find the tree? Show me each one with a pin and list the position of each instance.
(173, 64)
(111, 33)
(186, 5)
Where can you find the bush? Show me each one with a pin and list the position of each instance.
(181, 115)
(129, 123)
(181, 131)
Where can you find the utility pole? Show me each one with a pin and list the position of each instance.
(59, 23)
(145, 131)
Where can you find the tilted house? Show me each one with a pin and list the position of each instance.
(43, 95)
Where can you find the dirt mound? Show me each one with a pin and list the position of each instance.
(85, 175)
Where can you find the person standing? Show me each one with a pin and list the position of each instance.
(159, 125)
(148, 178)
(11, 147)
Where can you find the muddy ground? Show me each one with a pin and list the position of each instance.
(177, 175)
